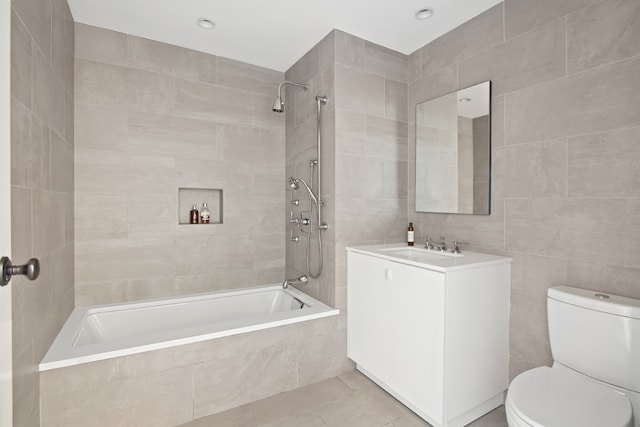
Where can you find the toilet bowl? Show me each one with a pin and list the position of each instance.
(595, 378)
(558, 397)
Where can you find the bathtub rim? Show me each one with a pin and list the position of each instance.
(63, 354)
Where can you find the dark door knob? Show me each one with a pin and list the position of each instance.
(31, 269)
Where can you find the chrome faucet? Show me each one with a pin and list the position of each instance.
(302, 280)
(456, 247)
(442, 246)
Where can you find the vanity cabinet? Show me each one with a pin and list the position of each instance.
(434, 335)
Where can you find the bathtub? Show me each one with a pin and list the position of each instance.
(106, 331)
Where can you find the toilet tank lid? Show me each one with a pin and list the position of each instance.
(596, 300)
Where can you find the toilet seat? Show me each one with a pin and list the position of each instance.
(557, 397)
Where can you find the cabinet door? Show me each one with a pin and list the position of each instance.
(415, 298)
(396, 324)
(477, 345)
(367, 314)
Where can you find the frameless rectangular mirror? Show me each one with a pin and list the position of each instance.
(453, 152)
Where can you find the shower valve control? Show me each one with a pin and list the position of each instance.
(293, 220)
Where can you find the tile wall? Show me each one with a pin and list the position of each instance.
(371, 159)
(364, 158)
(316, 68)
(152, 118)
(42, 173)
(565, 129)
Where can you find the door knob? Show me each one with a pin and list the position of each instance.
(31, 269)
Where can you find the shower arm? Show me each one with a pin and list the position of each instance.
(287, 82)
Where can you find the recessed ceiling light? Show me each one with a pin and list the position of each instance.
(207, 24)
(424, 13)
(463, 100)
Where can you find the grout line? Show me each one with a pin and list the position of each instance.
(504, 22)
(566, 45)
(566, 167)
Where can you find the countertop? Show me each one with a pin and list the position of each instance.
(429, 259)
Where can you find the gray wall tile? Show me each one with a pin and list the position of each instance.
(594, 41)
(520, 17)
(565, 227)
(350, 50)
(98, 44)
(360, 91)
(151, 55)
(481, 33)
(395, 94)
(36, 16)
(593, 101)
(605, 165)
(524, 61)
(100, 128)
(250, 77)
(62, 43)
(385, 62)
(531, 170)
(100, 216)
(20, 61)
(61, 165)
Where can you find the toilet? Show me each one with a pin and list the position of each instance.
(595, 377)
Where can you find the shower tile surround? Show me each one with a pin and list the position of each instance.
(153, 118)
(140, 102)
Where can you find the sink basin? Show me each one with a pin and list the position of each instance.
(419, 254)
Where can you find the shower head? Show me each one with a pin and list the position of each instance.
(278, 105)
(293, 183)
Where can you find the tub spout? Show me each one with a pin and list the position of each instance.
(297, 281)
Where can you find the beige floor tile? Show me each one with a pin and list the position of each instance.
(495, 418)
(357, 381)
(236, 417)
(410, 420)
(371, 408)
(349, 400)
(284, 405)
(308, 418)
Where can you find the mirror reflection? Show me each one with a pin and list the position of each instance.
(453, 152)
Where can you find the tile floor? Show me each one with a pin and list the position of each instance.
(349, 400)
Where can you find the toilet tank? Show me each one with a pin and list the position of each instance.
(597, 334)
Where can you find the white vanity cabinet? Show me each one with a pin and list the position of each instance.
(432, 332)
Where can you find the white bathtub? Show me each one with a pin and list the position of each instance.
(105, 331)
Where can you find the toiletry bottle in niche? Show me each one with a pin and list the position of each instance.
(193, 215)
(205, 214)
(410, 236)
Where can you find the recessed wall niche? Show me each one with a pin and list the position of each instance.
(187, 197)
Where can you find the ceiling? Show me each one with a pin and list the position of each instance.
(275, 34)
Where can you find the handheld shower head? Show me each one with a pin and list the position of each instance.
(278, 105)
(293, 183)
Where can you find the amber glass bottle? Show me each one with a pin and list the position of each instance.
(194, 215)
